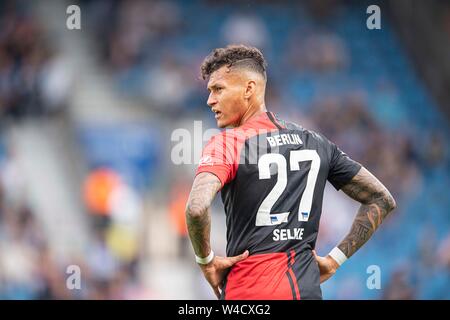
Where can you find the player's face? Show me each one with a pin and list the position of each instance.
(226, 97)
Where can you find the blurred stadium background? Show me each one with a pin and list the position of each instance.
(86, 118)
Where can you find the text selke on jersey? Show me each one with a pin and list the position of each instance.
(273, 176)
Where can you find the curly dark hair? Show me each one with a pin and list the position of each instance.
(234, 55)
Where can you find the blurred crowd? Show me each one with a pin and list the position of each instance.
(31, 269)
(31, 83)
(33, 86)
(318, 77)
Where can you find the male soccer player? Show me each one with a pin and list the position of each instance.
(272, 175)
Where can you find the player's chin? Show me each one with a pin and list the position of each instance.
(221, 123)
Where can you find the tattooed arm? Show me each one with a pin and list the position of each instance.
(376, 203)
(198, 219)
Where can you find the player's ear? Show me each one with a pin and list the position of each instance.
(250, 89)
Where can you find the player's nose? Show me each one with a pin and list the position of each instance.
(212, 101)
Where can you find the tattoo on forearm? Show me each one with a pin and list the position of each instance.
(198, 218)
(199, 229)
(376, 204)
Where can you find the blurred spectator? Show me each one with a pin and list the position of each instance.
(28, 70)
(317, 52)
(399, 287)
(166, 86)
(443, 252)
(246, 29)
(98, 189)
(177, 207)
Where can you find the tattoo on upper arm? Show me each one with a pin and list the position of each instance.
(198, 219)
(376, 204)
(203, 192)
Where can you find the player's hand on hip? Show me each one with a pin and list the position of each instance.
(215, 271)
(327, 266)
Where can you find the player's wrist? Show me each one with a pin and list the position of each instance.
(337, 256)
(205, 260)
